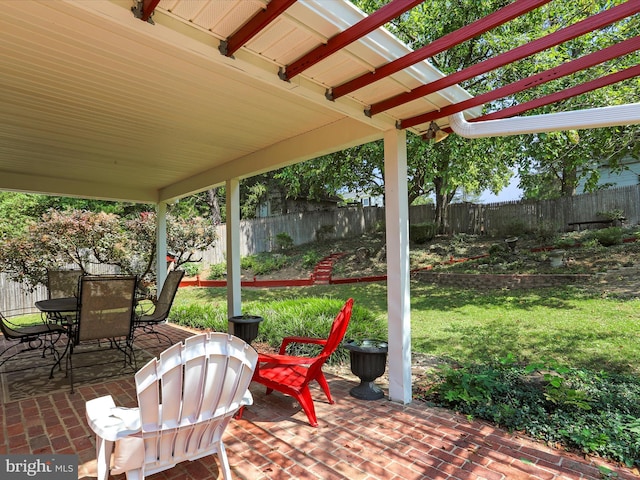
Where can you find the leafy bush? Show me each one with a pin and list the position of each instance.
(593, 412)
(609, 236)
(497, 250)
(263, 263)
(515, 228)
(217, 271)
(422, 232)
(564, 242)
(311, 258)
(284, 241)
(545, 231)
(191, 269)
(325, 232)
(615, 214)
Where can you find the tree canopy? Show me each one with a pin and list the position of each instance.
(82, 238)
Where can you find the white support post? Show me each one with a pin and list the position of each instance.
(398, 287)
(234, 302)
(161, 245)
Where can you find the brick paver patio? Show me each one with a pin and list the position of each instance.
(356, 439)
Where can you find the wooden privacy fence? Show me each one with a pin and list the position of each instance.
(18, 299)
(501, 219)
(494, 219)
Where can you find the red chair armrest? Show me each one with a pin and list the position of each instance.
(283, 359)
(287, 340)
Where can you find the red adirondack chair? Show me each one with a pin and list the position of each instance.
(291, 375)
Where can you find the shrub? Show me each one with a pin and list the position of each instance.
(217, 271)
(496, 250)
(615, 214)
(311, 258)
(592, 412)
(609, 236)
(263, 263)
(564, 242)
(422, 232)
(191, 269)
(325, 232)
(515, 228)
(545, 231)
(284, 241)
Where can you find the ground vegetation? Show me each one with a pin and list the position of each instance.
(601, 251)
(559, 364)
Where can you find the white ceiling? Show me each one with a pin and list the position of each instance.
(96, 103)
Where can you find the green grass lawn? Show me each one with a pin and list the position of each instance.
(560, 324)
(557, 364)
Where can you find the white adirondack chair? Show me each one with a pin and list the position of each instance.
(185, 402)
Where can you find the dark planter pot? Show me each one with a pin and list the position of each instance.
(245, 327)
(368, 362)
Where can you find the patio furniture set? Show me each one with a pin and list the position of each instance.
(88, 308)
(189, 393)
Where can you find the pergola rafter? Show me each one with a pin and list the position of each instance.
(582, 63)
(556, 38)
(257, 24)
(254, 25)
(350, 35)
(556, 97)
(500, 17)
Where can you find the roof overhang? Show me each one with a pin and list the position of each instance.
(98, 104)
(151, 100)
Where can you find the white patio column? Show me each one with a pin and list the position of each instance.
(161, 244)
(398, 288)
(234, 303)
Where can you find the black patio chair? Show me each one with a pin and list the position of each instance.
(106, 311)
(146, 322)
(63, 284)
(30, 337)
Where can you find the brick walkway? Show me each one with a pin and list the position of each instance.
(356, 440)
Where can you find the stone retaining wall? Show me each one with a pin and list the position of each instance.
(496, 281)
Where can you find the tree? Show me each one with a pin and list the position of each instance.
(562, 158)
(358, 169)
(208, 204)
(558, 162)
(83, 238)
(18, 209)
(554, 164)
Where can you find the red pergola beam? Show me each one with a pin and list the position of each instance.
(499, 17)
(562, 95)
(350, 35)
(148, 6)
(259, 21)
(582, 63)
(585, 26)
